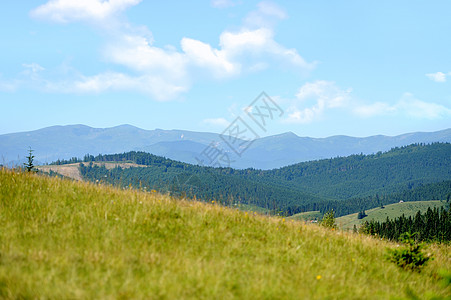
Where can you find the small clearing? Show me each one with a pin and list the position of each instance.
(72, 171)
(391, 211)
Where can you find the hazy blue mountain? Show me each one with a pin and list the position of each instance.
(64, 142)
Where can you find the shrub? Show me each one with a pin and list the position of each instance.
(409, 257)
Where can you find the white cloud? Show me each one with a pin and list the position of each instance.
(203, 55)
(137, 53)
(258, 43)
(153, 86)
(220, 122)
(8, 86)
(65, 11)
(222, 3)
(408, 105)
(318, 96)
(437, 77)
(252, 48)
(266, 15)
(373, 109)
(420, 109)
(242, 51)
(314, 99)
(32, 70)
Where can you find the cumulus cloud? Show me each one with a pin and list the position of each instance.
(252, 48)
(314, 98)
(437, 77)
(65, 11)
(204, 56)
(137, 53)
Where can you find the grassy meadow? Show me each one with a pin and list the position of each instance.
(391, 211)
(63, 239)
(307, 216)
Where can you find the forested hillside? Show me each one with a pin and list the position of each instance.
(345, 184)
(363, 175)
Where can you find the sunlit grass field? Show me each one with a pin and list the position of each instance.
(307, 216)
(392, 211)
(61, 239)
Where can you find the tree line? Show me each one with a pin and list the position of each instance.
(432, 226)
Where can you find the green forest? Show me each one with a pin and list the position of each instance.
(343, 184)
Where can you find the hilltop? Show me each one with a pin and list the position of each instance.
(69, 239)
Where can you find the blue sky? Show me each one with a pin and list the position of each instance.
(356, 68)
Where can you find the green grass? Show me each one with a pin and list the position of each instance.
(391, 211)
(253, 209)
(61, 239)
(306, 216)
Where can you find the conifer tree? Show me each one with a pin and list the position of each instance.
(329, 220)
(29, 166)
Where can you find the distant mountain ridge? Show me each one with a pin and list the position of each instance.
(64, 142)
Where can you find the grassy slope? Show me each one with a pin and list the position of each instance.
(62, 239)
(72, 171)
(307, 216)
(391, 211)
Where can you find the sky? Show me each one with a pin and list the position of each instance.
(356, 68)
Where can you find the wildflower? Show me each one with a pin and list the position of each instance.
(283, 220)
(213, 201)
(318, 277)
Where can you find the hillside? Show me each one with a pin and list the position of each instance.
(73, 170)
(391, 211)
(307, 216)
(65, 142)
(65, 239)
(345, 184)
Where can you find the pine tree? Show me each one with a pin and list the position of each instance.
(329, 220)
(29, 166)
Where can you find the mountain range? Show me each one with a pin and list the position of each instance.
(64, 142)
